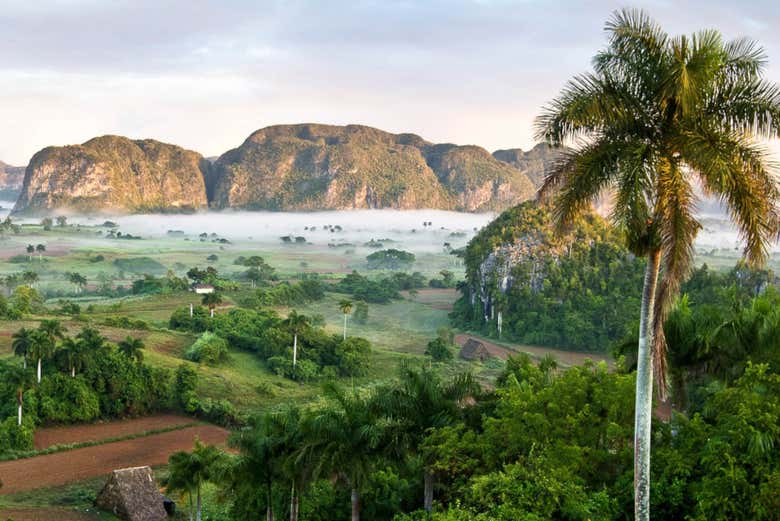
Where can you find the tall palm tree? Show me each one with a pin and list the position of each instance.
(211, 300)
(74, 354)
(345, 306)
(188, 471)
(297, 324)
(345, 439)
(30, 251)
(78, 280)
(53, 329)
(657, 115)
(92, 339)
(21, 342)
(40, 248)
(29, 277)
(132, 348)
(20, 379)
(42, 347)
(262, 453)
(423, 401)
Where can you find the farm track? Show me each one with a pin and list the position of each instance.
(48, 514)
(71, 434)
(80, 464)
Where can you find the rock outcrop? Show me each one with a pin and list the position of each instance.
(282, 167)
(11, 179)
(308, 167)
(114, 174)
(531, 163)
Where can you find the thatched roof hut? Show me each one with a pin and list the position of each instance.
(474, 350)
(132, 494)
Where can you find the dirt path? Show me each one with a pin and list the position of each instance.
(566, 358)
(80, 464)
(101, 431)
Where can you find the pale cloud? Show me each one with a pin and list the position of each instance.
(205, 73)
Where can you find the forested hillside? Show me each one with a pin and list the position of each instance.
(527, 284)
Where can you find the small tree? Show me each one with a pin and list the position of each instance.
(62, 221)
(211, 301)
(30, 251)
(40, 248)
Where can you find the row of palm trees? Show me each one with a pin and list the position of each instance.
(50, 341)
(342, 440)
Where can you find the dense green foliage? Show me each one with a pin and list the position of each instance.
(379, 290)
(265, 333)
(579, 291)
(84, 378)
(208, 349)
(390, 259)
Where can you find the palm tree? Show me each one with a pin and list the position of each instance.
(345, 306)
(74, 354)
(344, 439)
(422, 401)
(92, 339)
(40, 248)
(53, 329)
(42, 347)
(132, 348)
(657, 114)
(30, 251)
(20, 380)
(78, 280)
(296, 324)
(21, 342)
(188, 471)
(262, 448)
(30, 278)
(211, 300)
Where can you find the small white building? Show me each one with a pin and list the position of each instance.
(202, 289)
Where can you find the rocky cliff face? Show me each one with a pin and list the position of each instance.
(304, 167)
(113, 173)
(11, 179)
(531, 163)
(283, 167)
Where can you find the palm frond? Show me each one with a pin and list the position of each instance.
(678, 227)
(737, 172)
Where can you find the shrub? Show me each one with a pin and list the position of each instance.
(65, 399)
(209, 349)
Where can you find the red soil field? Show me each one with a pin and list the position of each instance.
(48, 514)
(80, 464)
(69, 434)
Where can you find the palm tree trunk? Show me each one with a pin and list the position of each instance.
(295, 349)
(355, 505)
(24, 362)
(197, 507)
(73, 371)
(644, 392)
(20, 399)
(293, 504)
(345, 326)
(39, 370)
(428, 495)
(269, 513)
(212, 312)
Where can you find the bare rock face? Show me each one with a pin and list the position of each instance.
(115, 174)
(313, 167)
(132, 494)
(11, 179)
(531, 163)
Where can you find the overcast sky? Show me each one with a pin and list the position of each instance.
(204, 74)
